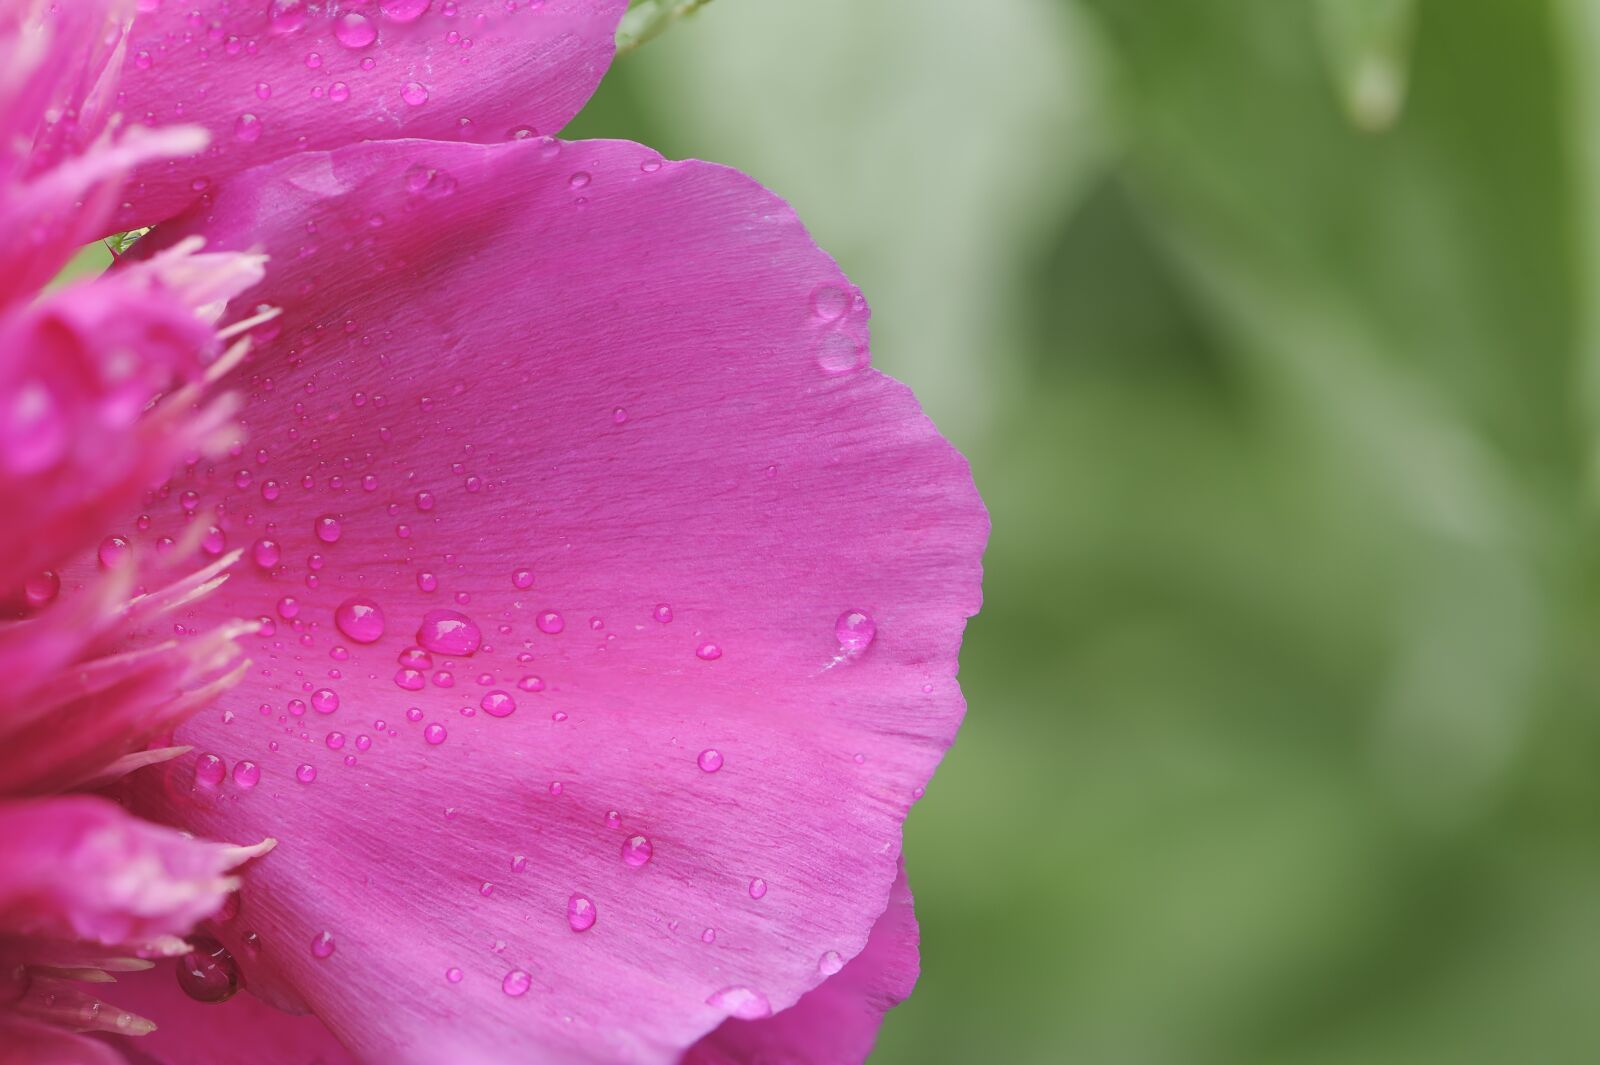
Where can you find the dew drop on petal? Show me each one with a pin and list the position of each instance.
(710, 760)
(246, 775)
(662, 612)
(305, 773)
(414, 93)
(580, 913)
(830, 963)
(322, 945)
(522, 579)
(855, 631)
(829, 302)
(247, 128)
(741, 1002)
(324, 700)
(449, 632)
(453, 975)
(516, 983)
(550, 622)
(328, 529)
(113, 549)
(266, 553)
(209, 771)
(207, 973)
(360, 619)
(708, 652)
(497, 704)
(758, 888)
(41, 589)
(405, 11)
(354, 30)
(335, 740)
(636, 851)
(435, 734)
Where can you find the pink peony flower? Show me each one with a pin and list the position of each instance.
(606, 602)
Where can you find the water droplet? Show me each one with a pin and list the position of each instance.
(328, 529)
(209, 771)
(829, 302)
(41, 589)
(516, 983)
(578, 180)
(840, 354)
(247, 128)
(266, 553)
(335, 740)
(497, 703)
(708, 936)
(354, 30)
(522, 579)
(613, 819)
(414, 93)
(435, 734)
(758, 888)
(449, 632)
(550, 622)
(427, 581)
(580, 913)
(519, 862)
(360, 619)
(531, 683)
(855, 631)
(208, 972)
(710, 760)
(830, 963)
(288, 607)
(214, 542)
(636, 851)
(405, 11)
(246, 775)
(741, 1002)
(113, 550)
(322, 945)
(453, 975)
(305, 773)
(708, 652)
(662, 612)
(325, 700)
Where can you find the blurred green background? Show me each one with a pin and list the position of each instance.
(1272, 328)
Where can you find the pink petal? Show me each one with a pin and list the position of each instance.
(240, 1031)
(620, 408)
(27, 1042)
(280, 76)
(83, 868)
(838, 1021)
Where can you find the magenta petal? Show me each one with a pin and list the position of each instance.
(275, 77)
(617, 413)
(838, 1021)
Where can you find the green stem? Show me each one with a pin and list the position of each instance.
(648, 19)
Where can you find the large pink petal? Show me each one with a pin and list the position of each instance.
(273, 77)
(838, 1021)
(590, 391)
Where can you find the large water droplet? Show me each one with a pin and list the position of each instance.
(449, 632)
(404, 10)
(435, 734)
(550, 622)
(830, 962)
(305, 773)
(209, 771)
(497, 703)
(636, 851)
(580, 913)
(710, 760)
(516, 983)
(855, 631)
(322, 945)
(208, 972)
(354, 30)
(360, 619)
(246, 775)
(829, 302)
